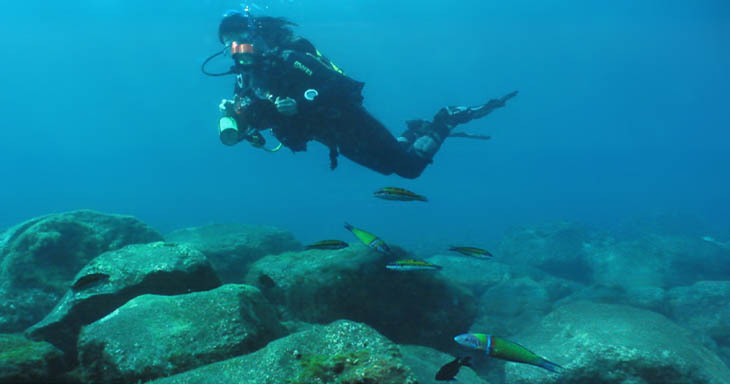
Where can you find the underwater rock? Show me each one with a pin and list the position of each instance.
(156, 268)
(604, 343)
(646, 297)
(425, 362)
(556, 248)
(704, 307)
(231, 248)
(636, 268)
(480, 275)
(155, 336)
(416, 307)
(26, 361)
(667, 224)
(477, 275)
(39, 257)
(693, 259)
(628, 263)
(663, 261)
(724, 353)
(343, 352)
(512, 306)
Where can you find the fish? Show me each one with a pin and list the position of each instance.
(369, 239)
(327, 244)
(499, 348)
(449, 370)
(399, 194)
(88, 280)
(472, 252)
(709, 239)
(412, 265)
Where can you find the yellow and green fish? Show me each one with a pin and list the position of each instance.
(399, 194)
(327, 245)
(369, 239)
(504, 349)
(412, 265)
(472, 252)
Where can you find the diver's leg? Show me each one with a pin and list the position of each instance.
(429, 142)
(364, 140)
(450, 117)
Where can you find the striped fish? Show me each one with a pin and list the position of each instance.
(504, 349)
(412, 265)
(398, 194)
(472, 252)
(88, 280)
(327, 244)
(369, 239)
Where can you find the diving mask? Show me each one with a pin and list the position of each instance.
(239, 48)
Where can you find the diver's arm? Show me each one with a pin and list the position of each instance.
(247, 117)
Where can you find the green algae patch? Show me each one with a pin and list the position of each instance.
(23, 360)
(316, 368)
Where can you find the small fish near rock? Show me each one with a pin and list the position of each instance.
(474, 252)
(500, 348)
(412, 265)
(327, 245)
(398, 194)
(451, 369)
(369, 239)
(89, 280)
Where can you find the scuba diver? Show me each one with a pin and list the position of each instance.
(283, 83)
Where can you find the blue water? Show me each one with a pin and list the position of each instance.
(623, 112)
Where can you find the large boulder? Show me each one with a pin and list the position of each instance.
(639, 270)
(115, 277)
(26, 361)
(477, 275)
(604, 343)
(511, 297)
(703, 307)
(628, 264)
(646, 297)
(353, 283)
(724, 353)
(512, 306)
(657, 260)
(693, 259)
(39, 257)
(557, 248)
(155, 336)
(231, 248)
(342, 352)
(425, 362)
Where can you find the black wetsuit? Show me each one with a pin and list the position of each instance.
(336, 117)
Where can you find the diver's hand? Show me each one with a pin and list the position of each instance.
(226, 106)
(287, 106)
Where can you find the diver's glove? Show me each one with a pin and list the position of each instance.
(286, 106)
(226, 106)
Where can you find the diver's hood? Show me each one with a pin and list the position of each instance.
(235, 23)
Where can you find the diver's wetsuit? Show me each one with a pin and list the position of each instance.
(336, 117)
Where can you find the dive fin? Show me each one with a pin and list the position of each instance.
(469, 136)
